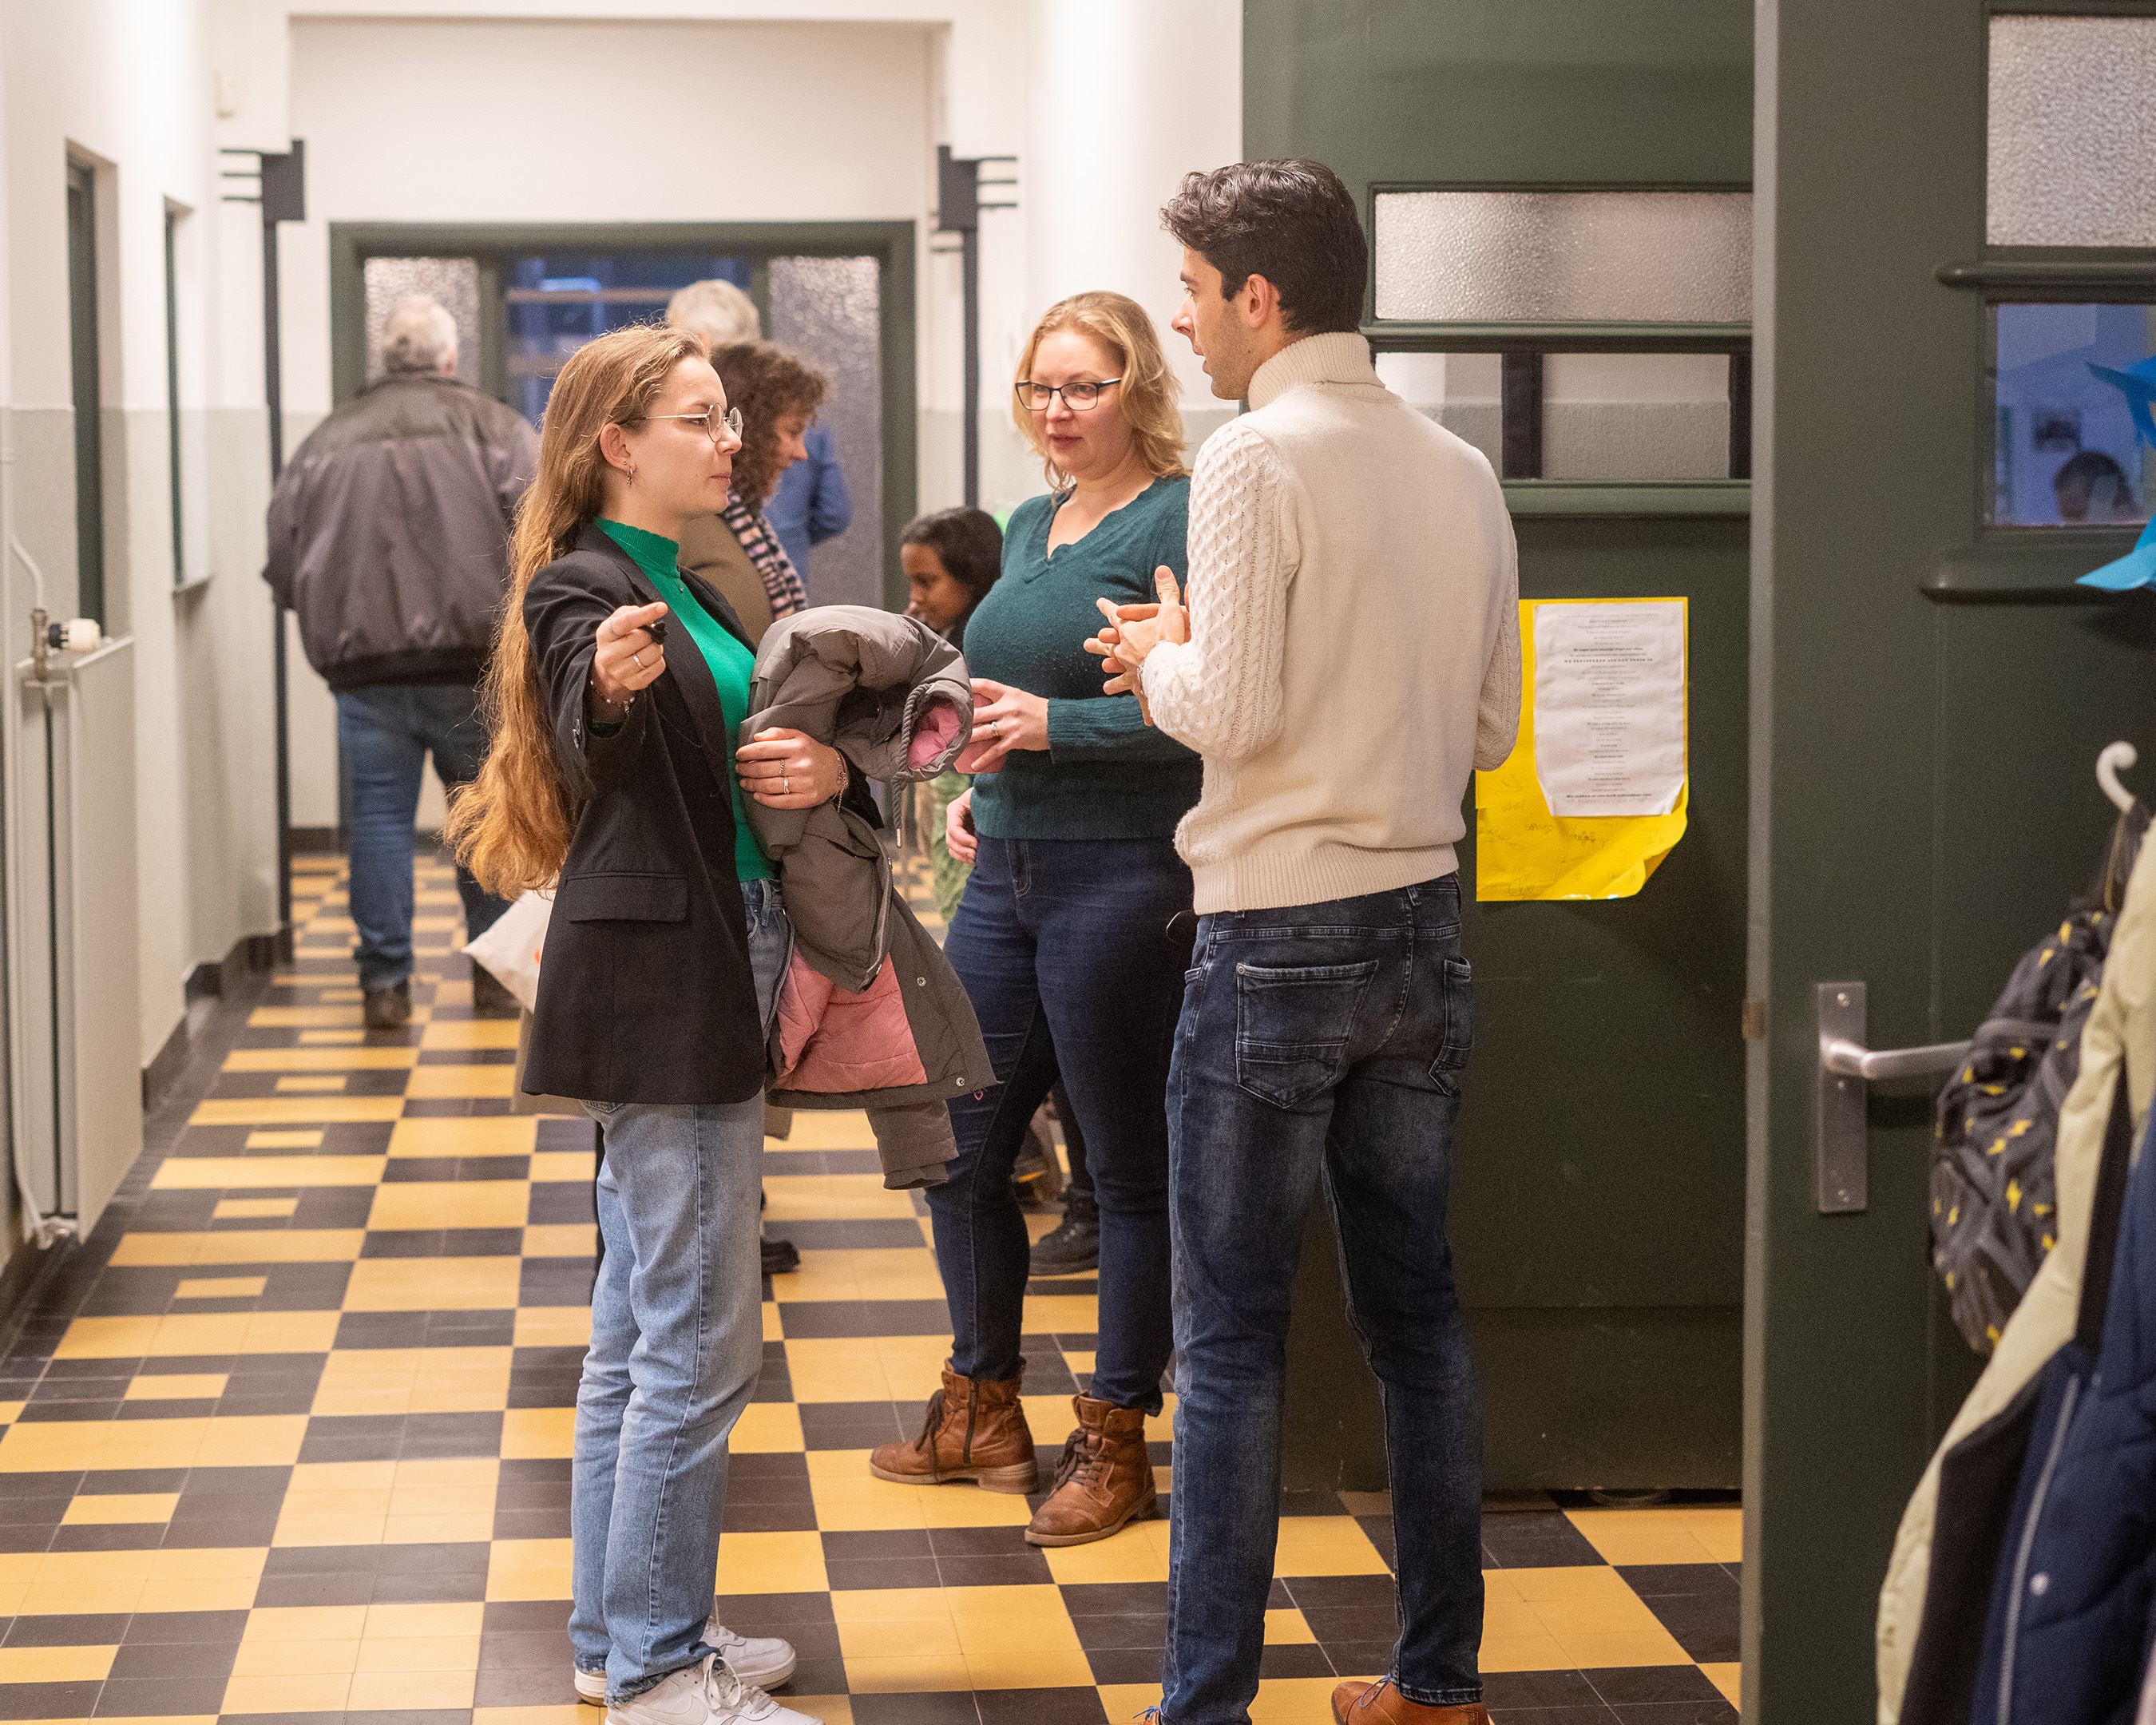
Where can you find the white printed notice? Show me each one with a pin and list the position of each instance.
(1609, 707)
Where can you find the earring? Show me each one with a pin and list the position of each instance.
(632, 473)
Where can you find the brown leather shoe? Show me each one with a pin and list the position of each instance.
(975, 1430)
(1104, 1480)
(1381, 1704)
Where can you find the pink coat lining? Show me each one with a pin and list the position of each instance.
(833, 1041)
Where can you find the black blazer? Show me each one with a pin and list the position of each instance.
(645, 994)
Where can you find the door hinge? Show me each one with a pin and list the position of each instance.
(1752, 1021)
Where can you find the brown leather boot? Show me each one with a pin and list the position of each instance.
(1104, 1480)
(975, 1430)
(1382, 1704)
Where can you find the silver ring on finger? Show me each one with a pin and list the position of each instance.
(785, 785)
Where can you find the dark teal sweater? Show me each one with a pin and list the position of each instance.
(1106, 774)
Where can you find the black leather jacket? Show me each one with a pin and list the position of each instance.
(389, 530)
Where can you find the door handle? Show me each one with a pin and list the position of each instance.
(1847, 1068)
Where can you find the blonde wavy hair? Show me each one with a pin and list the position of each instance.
(510, 826)
(1150, 399)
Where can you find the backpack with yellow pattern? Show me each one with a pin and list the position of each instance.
(1994, 1196)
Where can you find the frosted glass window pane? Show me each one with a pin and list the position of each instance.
(1564, 257)
(2064, 449)
(454, 281)
(1635, 416)
(1461, 391)
(2071, 150)
(830, 309)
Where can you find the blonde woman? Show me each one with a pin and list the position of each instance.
(1063, 938)
(616, 691)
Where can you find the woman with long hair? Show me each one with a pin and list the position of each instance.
(615, 693)
(1063, 937)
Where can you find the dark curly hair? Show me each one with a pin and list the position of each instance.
(767, 383)
(1293, 222)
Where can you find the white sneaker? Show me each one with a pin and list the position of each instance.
(706, 1694)
(764, 1661)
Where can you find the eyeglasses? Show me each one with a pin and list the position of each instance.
(1079, 397)
(711, 422)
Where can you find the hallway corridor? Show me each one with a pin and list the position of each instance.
(291, 1437)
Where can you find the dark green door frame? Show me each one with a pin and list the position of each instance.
(891, 244)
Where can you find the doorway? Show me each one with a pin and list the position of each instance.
(526, 297)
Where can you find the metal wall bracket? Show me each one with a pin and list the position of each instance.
(1842, 1166)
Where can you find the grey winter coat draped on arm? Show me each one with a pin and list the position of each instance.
(872, 1015)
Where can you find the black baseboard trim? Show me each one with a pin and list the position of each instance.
(21, 1275)
(252, 956)
(317, 841)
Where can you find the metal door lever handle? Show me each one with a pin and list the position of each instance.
(1840, 1148)
(1838, 1054)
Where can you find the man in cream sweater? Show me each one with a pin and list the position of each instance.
(1349, 654)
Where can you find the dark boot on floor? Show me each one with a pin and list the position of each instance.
(1104, 1482)
(975, 1430)
(1072, 1245)
(387, 1008)
(1359, 1703)
(490, 995)
(781, 1257)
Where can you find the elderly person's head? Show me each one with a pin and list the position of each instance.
(419, 339)
(777, 394)
(718, 313)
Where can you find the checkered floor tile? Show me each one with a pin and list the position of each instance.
(291, 1435)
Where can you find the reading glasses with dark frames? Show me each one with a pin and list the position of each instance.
(1078, 397)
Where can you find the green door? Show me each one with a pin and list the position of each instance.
(1931, 695)
(1558, 196)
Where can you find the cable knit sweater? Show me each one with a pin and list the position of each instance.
(1355, 645)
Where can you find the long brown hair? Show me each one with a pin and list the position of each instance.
(767, 382)
(1150, 397)
(511, 825)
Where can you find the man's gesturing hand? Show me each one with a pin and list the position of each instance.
(625, 659)
(1133, 631)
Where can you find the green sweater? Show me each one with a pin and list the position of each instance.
(1106, 774)
(729, 661)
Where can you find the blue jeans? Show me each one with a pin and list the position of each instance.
(384, 735)
(677, 1342)
(1320, 1044)
(1063, 948)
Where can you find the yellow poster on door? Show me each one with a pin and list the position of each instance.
(1595, 792)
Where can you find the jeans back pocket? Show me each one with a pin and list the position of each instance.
(1292, 1025)
(1459, 1004)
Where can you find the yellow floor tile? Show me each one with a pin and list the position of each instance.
(769, 1564)
(451, 1203)
(854, 1368)
(491, 1135)
(375, 1692)
(1729, 1680)
(310, 1083)
(292, 1138)
(811, 1196)
(287, 1692)
(222, 1173)
(295, 1111)
(1659, 1536)
(240, 1440)
(55, 1665)
(459, 1034)
(434, 1083)
(856, 1501)
(895, 1273)
(1601, 1651)
(561, 1240)
(199, 1332)
(320, 1059)
(306, 1623)
(544, 1434)
(413, 1380)
(767, 1428)
(236, 1210)
(838, 1129)
(220, 1287)
(390, 1654)
(10, 1411)
(332, 1039)
(920, 1674)
(529, 1569)
(1286, 1627)
(1293, 1701)
(564, 1166)
(1137, 1554)
(432, 1284)
(553, 1326)
(281, 1245)
(115, 1508)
